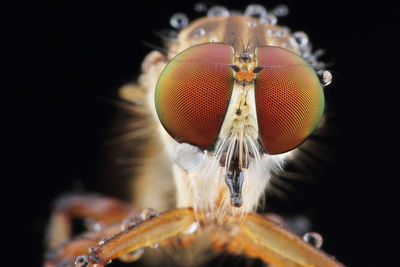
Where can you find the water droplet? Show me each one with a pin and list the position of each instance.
(216, 11)
(188, 157)
(278, 33)
(192, 228)
(179, 21)
(271, 19)
(92, 249)
(103, 240)
(128, 224)
(257, 11)
(301, 38)
(272, 32)
(81, 261)
(281, 10)
(199, 32)
(148, 213)
(139, 251)
(325, 76)
(283, 32)
(252, 24)
(200, 7)
(97, 227)
(314, 239)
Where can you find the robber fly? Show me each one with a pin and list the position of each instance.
(225, 107)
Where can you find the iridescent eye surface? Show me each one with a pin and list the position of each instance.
(192, 93)
(289, 99)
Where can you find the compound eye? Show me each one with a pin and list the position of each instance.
(289, 99)
(193, 91)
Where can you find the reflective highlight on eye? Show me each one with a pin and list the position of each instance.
(192, 93)
(289, 99)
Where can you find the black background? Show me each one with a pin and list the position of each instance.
(77, 54)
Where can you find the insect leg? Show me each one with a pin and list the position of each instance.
(99, 209)
(105, 215)
(270, 241)
(259, 237)
(66, 253)
(152, 231)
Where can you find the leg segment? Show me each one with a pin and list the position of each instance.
(105, 213)
(147, 233)
(259, 237)
(96, 208)
(65, 254)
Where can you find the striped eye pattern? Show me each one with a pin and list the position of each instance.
(193, 93)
